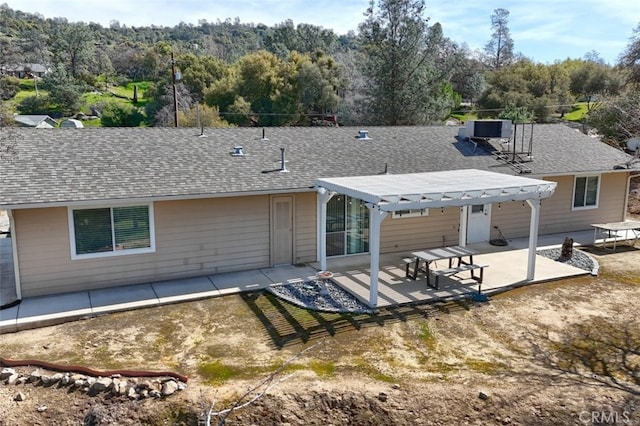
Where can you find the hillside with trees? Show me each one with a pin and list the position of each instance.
(397, 69)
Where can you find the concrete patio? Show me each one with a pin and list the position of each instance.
(507, 269)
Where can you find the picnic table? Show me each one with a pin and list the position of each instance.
(430, 256)
(613, 232)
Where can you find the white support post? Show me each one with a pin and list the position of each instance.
(14, 249)
(533, 237)
(462, 233)
(323, 198)
(376, 217)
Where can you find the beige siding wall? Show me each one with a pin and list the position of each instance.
(556, 214)
(406, 234)
(199, 237)
(194, 237)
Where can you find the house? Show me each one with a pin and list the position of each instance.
(27, 70)
(117, 206)
(37, 121)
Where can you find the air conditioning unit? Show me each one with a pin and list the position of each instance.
(487, 129)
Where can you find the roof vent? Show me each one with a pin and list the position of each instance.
(264, 137)
(238, 151)
(283, 162)
(363, 134)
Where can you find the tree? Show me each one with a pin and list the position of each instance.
(499, 49)
(407, 64)
(618, 119)
(63, 90)
(592, 82)
(630, 58)
(35, 105)
(538, 87)
(73, 46)
(118, 114)
(8, 138)
(201, 116)
(9, 86)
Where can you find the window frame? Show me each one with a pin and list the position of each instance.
(584, 206)
(114, 251)
(410, 213)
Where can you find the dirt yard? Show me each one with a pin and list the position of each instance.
(565, 352)
(509, 361)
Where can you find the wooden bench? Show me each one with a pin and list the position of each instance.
(408, 261)
(461, 268)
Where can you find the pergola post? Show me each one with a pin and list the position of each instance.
(533, 237)
(462, 233)
(323, 198)
(14, 249)
(376, 216)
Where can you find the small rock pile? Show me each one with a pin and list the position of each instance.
(116, 385)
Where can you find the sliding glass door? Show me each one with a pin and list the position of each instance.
(347, 226)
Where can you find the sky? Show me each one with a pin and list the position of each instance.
(542, 30)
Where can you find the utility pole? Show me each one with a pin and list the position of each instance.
(175, 92)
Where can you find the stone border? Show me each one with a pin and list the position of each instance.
(116, 385)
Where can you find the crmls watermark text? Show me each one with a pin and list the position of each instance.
(606, 418)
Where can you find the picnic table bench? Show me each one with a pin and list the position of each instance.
(444, 253)
(613, 232)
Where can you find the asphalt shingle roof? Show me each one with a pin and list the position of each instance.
(74, 165)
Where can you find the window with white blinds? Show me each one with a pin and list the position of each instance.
(105, 231)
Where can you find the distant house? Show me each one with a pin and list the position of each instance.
(71, 123)
(37, 121)
(27, 70)
(115, 206)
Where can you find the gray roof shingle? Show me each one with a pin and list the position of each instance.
(62, 165)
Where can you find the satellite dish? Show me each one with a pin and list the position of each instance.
(633, 144)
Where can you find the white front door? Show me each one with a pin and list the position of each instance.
(478, 223)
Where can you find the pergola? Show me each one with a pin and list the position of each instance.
(456, 188)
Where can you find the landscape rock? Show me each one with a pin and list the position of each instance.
(101, 385)
(132, 394)
(5, 373)
(34, 377)
(19, 397)
(45, 380)
(169, 387)
(57, 377)
(13, 379)
(66, 380)
(483, 396)
(382, 396)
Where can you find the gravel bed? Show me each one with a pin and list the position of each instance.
(579, 259)
(319, 296)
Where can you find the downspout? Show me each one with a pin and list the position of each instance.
(14, 249)
(626, 196)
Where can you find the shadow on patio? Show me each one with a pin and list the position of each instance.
(287, 324)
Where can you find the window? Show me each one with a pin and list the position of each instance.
(107, 231)
(585, 192)
(409, 213)
(347, 226)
